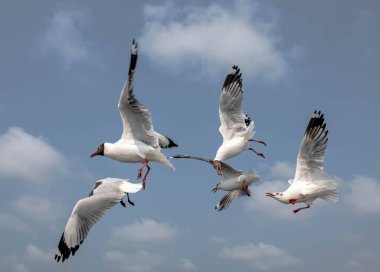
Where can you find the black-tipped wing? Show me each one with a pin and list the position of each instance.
(137, 121)
(165, 141)
(227, 199)
(227, 170)
(84, 215)
(311, 155)
(233, 120)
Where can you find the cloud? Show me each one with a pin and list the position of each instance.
(34, 253)
(64, 37)
(261, 256)
(140, 261)
(283, 170)
(145, 231)
(259, 203)
(363, 196)
(214, 38)
(40, 209)
(218, 240)
(10, 222)
(29, 158)
(186, 264)
(20, 268)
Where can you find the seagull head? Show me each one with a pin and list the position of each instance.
(277, 195)
(99, 151)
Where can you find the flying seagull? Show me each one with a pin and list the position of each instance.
(106, 193)
(235, 182)
(237, 128)
(139, 143)
(310, 181)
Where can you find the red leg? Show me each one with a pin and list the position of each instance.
(219, 170)
(139, 173)
(297, 210)
(258, 141)
(245, 189)
(146, 174)
(257, 153)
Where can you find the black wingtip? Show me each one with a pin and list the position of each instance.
(171, 143)
(317, 122)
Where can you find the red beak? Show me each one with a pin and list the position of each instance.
(269, 194)
(94, 154)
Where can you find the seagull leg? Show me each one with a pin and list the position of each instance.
(122, 203)
(257, 153)
(297, 210)
(139, 173)
(245, 189)
(146, 174)
(258, 141)
(219, 170)
(130, 201)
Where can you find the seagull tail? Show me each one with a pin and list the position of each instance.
(331, 196)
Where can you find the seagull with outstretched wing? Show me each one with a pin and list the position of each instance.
(139, 143)
(310, 181)
(106, 193)
(237, 128)
(235, 182)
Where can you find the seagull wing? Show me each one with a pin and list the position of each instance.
(311, 155)
(137, 121)
(85, 214)
(227, 170)
(232, 118)
(227, 199)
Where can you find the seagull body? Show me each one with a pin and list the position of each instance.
(139, 143)
(235, 182)
(237, 128)
(106, 193)
(310, 181)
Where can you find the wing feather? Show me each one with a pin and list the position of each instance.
(227, 199)
(232, 118)
(137, 120)
(313, 146)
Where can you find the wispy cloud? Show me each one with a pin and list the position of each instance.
(140, 261)
(214, 38)
(29, 158)
(363, 196)
(187, 265)
(145, 231)
(261, 256)
(40, 209)
(64, 36)
(34, 253)
(13, 223)
(283, 170)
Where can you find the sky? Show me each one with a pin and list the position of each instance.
(63, 64)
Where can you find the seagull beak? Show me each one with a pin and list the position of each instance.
(96, 153)
(269, 194)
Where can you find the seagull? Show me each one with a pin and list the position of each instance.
(235, 182)
(237, 128)
(106, 193)
(139, 143)
(310, 181)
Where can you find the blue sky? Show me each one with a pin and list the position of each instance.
(63, 64)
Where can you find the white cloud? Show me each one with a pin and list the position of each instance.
(63, 35)
(283, 170)
(34, 253)
(29, 158)
(214, 37)
(10, 222)
(363, 197)
(20, 268)
(262, 256)
(259, 203)
(145, 231)
(40, 209)
(187, 265)
(140, 261)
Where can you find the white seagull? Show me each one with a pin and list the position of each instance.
(310, 181)
(106, 193)
(235, 182)
(139, 143)
(236, 127)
